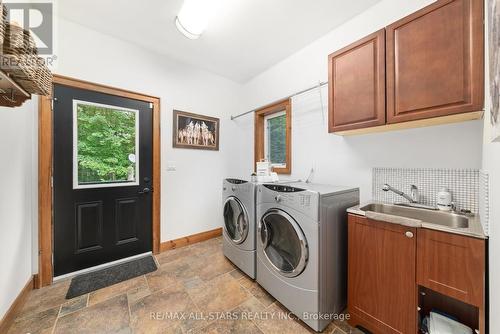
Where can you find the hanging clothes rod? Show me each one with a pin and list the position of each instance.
(319, 85)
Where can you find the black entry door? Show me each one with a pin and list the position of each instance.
(102, 178)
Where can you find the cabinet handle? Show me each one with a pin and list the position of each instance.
(409, 234)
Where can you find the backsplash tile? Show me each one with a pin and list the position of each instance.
(484, 200)
(462, 183)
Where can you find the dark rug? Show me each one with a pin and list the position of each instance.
(99, 279)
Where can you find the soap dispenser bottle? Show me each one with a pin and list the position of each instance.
(444, 199)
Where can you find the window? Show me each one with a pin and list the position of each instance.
(275, 139)
(272, 136)
(105, 145)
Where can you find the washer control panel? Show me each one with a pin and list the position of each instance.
(243, 190)
(305, 201)
(284, 196)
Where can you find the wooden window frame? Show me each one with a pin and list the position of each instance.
(45, 155)
(260, 115)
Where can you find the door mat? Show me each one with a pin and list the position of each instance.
(99, 279)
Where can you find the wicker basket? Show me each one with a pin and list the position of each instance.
(18, 51)
(18, 41)
(21, 62)
(3, 22)
(41, 84)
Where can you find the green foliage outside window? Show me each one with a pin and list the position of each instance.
(106, 138)
(276, 128)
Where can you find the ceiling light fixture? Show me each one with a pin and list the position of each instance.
(194, 16)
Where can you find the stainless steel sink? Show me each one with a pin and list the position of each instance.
(428, 216)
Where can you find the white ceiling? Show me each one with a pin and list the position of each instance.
(245, 37)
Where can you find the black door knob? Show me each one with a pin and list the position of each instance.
(145, 191)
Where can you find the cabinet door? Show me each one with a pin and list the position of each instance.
(357, 84)
(381, 276)
(452, 265)
(435, 63)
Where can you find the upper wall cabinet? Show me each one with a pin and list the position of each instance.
(357, 84)
(435, 61)
(425, 69)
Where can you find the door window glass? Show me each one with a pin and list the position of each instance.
(235, 220)
(105, 145)
(284, 248)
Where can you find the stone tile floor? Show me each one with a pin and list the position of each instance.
(195, 290)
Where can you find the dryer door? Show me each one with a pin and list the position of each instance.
(283, 243)
(235, 220)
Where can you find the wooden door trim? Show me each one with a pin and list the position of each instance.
(45, 157)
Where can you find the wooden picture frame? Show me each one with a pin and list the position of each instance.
(194, 131)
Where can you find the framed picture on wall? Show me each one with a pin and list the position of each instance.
(494, 55)
(195, 131)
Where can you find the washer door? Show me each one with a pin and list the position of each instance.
(236, 220)
(283, 243)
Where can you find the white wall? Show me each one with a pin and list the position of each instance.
(191, 196)
(17, 204)
(348, 160)
(491, 163)
(309, 65)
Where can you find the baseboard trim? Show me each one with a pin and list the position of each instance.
(190, 239)
(16, 306)
(36, 282)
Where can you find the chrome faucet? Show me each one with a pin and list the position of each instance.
(413, 197)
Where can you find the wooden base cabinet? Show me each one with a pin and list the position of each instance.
(455, 266)
(382, 289)
(451, 264)
(392, 269)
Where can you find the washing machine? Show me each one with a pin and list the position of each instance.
(302, 247)
(239, 224)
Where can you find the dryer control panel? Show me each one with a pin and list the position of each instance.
(282, 188)
(236, 181)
